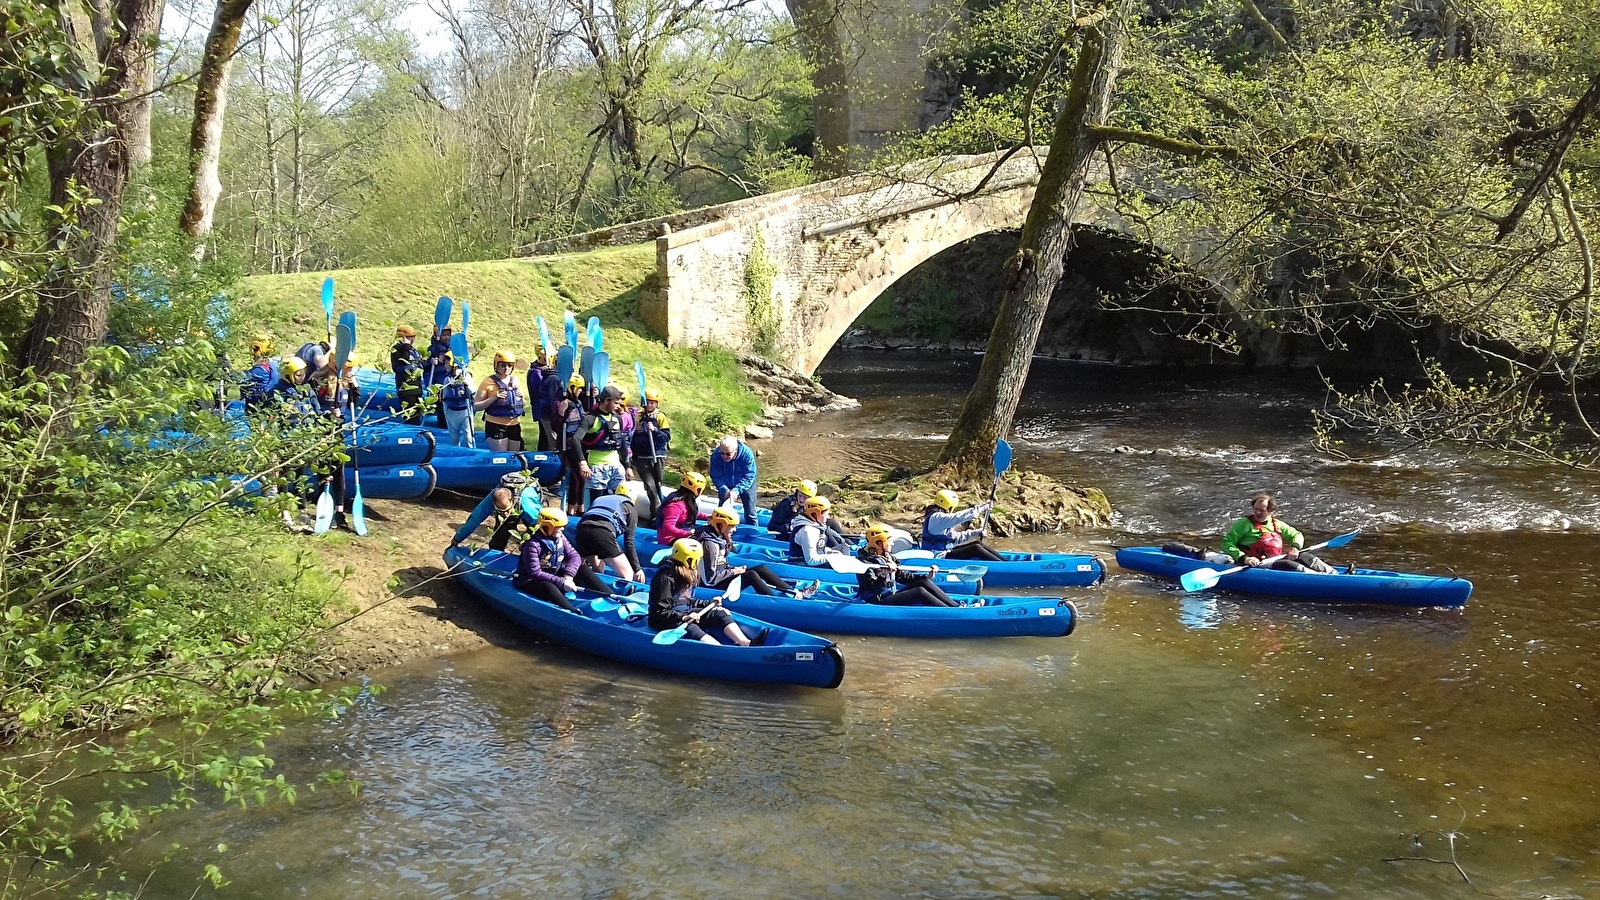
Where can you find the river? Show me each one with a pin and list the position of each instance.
(1172, 746)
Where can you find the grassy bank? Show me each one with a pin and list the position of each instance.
(703, 391)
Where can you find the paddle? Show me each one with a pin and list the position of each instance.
(586, 366)
(849, 565)
(1002, 462)
(672, 635)
(341, 355)
(638, 372)
(441, 314)
(324, 509)
(327, 303)
(544, 335)
(1200, 579)
(459, 349)
(347, 319)
(564, 365)
(571, 327)
(466, 316)
(595, 337)
(602, 369)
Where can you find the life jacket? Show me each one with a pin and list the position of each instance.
(715, 546)
(259, 380)
(552, 551)
(784, 513)
(457, 396)
(873, 583)
(1269, 541)
(510, 406)
(571, 423)
(615, 510)
(334, 395)
(795, 527)
(407, 365)
(604, 435)
(931, 540)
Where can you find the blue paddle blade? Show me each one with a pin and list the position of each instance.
(347, 319)
(564, 363)
(602, 369)
(324, 511)
(571, 326)
(1342, 539)
(671, 635)
(638, 371)
(594, 333)
(530, 504)
(344, 342)
(358, 509)
(660, 556)
(1002, 457)
(586, 365)
(466, 316)
(441, 313)
(327, 302)
(544, 335)
(1199, 579)
(458, 348)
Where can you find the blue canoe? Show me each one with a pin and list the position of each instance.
(1363, 586)
(381, 446)
(391, 482)
(787, 657)
(778, 561)
(835, 609)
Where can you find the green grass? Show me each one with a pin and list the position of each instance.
(505, 296)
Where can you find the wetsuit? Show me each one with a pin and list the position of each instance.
(545, 561)
(672, 600)
(714, 567)
(877, 585)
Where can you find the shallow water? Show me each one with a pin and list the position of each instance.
(1173, 746)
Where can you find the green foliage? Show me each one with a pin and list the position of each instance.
(761, 313)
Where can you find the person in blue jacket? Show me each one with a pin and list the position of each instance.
(733, 474)
(436, 369)
(504, 503)
(406, 363)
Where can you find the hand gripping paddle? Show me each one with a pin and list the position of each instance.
(1200, 579)
(673, 635)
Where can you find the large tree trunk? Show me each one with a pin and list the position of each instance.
(88, 173)
(1031, 275)
(141, 94)
(210, 107)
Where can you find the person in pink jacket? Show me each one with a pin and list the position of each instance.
(676, 519)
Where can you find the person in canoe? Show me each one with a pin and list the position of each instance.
(605, 534)
(679, 511)
(406, 363)
(1261, 534)
(652, 434)
(549, 566)
(810, 540)
(785, 510)
(672, 600)
(716, 541)
(501, 401)
(607, 459)
(882, 584)
(942, 529)
(733, 474)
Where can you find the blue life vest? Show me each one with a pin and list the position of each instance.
(604, 434)
(610, 510)
(930, 540)
(552, 551)
(258, 382)
(510, 406)
(407, 365)
(794, 536)
(457, 396)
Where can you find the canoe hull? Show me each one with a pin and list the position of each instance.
(1366, 586)
(391, 482)
(790, 657)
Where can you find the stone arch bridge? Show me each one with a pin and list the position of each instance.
(792, 270)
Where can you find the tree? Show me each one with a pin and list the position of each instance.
(210, 110)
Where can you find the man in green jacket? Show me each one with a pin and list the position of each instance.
(1261, 535)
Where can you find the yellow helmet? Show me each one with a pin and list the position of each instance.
(694, 481)
(807, 487)
(947, 500)
(723, 515)
(292, 367)
(505, 356)
(816, 503)
(631, 490)
(687, 552)
(551, 515)
(878, 537)
(405, 331)
(576, 381)
(653, 394)
(350, 360)
(261, 345)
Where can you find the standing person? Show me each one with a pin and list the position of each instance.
(572, 413)
(406, 363)
(606, 457)
(733, 473)
(716, 540)
(437, 369)
(502, 404)
(678, 512)
(1261, 534)
(942, 531)
(606, 535)
(551, 394)
(809, 538)
(457, 398)
(878, 584)
(538, 371)
(549, 567)
(652, 434)
(338, 398)
(672, 600)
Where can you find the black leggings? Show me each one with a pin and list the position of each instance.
(649, 470)
(974, 550)
(760, 579)
(920, 591)
(550, 592)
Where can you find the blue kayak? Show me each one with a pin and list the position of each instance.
(391, 482)
(475, 470)
(1363, 586)
(387, 446)
(787, 656)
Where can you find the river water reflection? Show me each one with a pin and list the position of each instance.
(1171, 747)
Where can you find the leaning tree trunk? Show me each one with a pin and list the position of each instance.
(210, 106)
(88, 173)
(1030, 276)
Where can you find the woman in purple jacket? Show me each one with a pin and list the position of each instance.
(550, 567)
